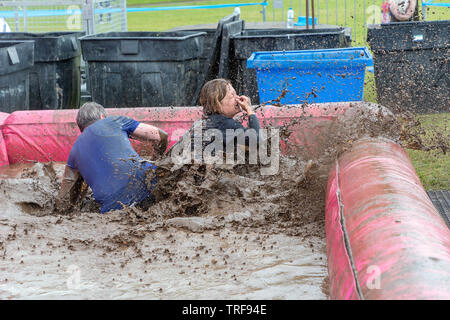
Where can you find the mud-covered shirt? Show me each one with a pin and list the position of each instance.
(108, 163)
(222, 123)
(238, 134)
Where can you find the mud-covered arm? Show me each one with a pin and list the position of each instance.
(246, 106)
(163, 142)
(147, 132)
(242, 136)
(253, 123)
(71, 187)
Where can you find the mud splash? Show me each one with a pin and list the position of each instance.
(291, 202)
(131, 254)
(222, 232)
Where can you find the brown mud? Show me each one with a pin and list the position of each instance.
(216, 232)
(289, 202)
(131, 254)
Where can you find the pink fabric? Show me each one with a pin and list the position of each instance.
(399, 244)
(3, 153)
(48, 135)
(395, 10)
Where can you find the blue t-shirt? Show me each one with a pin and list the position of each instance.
(108, 163)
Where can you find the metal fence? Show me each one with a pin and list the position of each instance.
(106, 16)
(96, 16)
(91, 16)
(344, 11)
(356, 14)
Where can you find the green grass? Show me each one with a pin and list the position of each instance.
(433, 167)
(351, 13)
(164, 20)
(144, 3)
(353, 17)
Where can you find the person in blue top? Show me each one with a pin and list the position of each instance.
(104, 158)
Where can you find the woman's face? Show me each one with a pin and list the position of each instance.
(229, 103)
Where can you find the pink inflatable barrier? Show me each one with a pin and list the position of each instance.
(48, 135)
(3, 153)
(385, 239)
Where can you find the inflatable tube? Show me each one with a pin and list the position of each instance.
(48, 135)
(385, 239)
(3, 153)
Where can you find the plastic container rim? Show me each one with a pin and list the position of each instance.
(286, 35)
(253, 63)
(47, 35)
(15, 41)
(97, 38)
(325, 31)
(407, 23)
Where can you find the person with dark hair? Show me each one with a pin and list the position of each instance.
(104, 158)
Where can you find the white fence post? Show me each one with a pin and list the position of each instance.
(124, 23)
(88, 17)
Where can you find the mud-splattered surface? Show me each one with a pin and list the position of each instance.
(222, 232)
(130, 255)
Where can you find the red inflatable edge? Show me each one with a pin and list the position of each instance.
(385, 239)
(48, 135)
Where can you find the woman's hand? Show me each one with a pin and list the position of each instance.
(245, 104)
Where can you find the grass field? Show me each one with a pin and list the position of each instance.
(433, 167)
(351, 13)
(354, 15)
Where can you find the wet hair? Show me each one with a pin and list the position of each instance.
(212, 93)
(89, 113)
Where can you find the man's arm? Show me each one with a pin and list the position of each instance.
(70, 190)
(147, 132)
